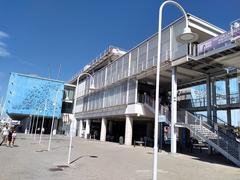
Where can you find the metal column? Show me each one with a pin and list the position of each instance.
(214, 101)
(229, 120)
(209, 113)
(174, 111)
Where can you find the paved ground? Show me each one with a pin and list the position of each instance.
(105, 161)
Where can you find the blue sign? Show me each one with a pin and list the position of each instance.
(30, 95)
(162, 118)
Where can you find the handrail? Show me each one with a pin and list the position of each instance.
(202, 101)
(144, 98)
(224, 141)
(218, 119)
(219, 129)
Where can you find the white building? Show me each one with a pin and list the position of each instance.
(122, 105)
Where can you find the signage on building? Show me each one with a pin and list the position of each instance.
(162, 118)
(221, 40)
(214, 43)
(235, 30)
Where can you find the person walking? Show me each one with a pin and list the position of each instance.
(14, 135)
(10, 138)
(4, 133)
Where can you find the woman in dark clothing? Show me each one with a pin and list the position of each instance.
(10, 138)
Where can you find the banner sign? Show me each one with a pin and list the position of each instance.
(214, 43)
(235, 29)
(221, 40)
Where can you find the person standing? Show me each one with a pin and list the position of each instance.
(14, 135)
(4, 133)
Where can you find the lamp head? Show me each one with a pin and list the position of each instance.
(187, 36)
(92, 87)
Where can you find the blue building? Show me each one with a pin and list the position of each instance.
(30, 97)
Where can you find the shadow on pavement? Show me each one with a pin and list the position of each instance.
(91, 156)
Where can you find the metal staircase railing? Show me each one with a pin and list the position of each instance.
(221, 125)
(149, 102)
(215, 137)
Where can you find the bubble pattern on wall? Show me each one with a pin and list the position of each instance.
(28, 95)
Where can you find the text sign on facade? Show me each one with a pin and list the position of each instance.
(221, 40)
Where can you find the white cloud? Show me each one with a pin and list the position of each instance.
(3, 48)
(4, 52)
(3, 35)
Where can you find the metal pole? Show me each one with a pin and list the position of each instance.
(74, 110)
(36, 123)
(34, 116)
(70, 145)
(3, 106)
(40, 139)
(36, 128)
(174, 111)
(30, 123)
(50, 137)
(157, 82)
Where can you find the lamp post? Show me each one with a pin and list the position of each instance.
(186, 37)
(36, 123)
(92, 87)
(3, 103)
(33, 123)
(45, 108)
(30, 124)
(54, 108)
(1, 106)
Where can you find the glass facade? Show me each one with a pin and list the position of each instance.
(111, 82)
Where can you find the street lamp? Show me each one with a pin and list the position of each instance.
(91, 87)
(186, 37)
(54, 108)
(42, 127)
(36, 126)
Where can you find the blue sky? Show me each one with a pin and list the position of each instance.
(37, 34)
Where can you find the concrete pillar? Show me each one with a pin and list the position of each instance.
(128, 130)
(87, 130)
(174, 111)
(80, 131)
(103, 129)
(229, 120)
(209, 112)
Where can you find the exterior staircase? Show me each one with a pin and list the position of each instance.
(215, 136)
